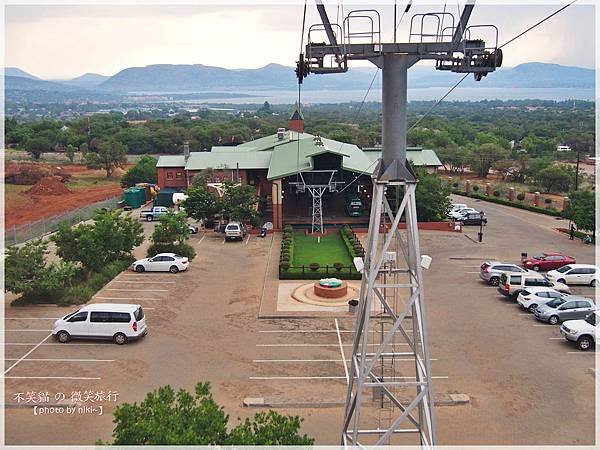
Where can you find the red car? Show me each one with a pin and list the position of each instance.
(548, 261)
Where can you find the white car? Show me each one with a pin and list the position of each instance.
(581, 331)
(462, 212)
(118, 322)
(532, 297)
(575, 274)
(457, 206)
(235, 231)
(163, 262)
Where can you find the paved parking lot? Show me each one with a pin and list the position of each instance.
(519, 373)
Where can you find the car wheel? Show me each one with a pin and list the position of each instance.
(495, 281)
(553, 320)
(584, 343)
(536, 268)
(63, 337)
(532, 308)
(561, 280)
(593, 283)
(139, 269)
(149, 218)
(120, 339)
(173, 269)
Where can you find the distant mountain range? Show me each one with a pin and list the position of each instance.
(200, 78)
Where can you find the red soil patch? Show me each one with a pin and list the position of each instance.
(49, 186)
(45, 206)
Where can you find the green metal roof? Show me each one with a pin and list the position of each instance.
(287, 156)
(171, 161)
(228, 160)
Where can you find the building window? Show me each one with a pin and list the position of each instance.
(169, 175)
(179, 175)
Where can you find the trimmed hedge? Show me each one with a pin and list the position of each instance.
(286, 254)
(352, 242)
(546, 211)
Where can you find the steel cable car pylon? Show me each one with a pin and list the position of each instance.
(392, 294)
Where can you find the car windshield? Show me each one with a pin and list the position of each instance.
(178, 256)
(68, 316)
(591, 319)
(555, 303)
(139, 313)
(563, 269)
(540, 256)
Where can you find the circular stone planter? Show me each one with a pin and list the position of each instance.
(331, 292)
(306, 294)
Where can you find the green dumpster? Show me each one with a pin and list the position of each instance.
(133, 197)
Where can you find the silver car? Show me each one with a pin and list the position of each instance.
(569, 307)
(491, 271)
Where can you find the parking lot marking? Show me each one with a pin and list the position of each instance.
(25, 355)
(581, 353)
(262, 295)
(471, 272)
(129, 298)
(62, 360)
(22, 329)
(320, 360)
(143, 282)
(223, 241)
(200, 240)
(337, 328)
(31, 318)
(543, 325)
(315, 345)
(248, 240)
(556, 339)
(318, 331)
(330, 378)
(45, 343)
(136, 290)
(54, 378)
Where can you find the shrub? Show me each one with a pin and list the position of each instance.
(496, 193)
(548, 201)
(475, 188)
(338, 266)
(314, 266)
(455, 185)
(520, 196)
(285, 265)
(76, 295)
(288, 228)
(180, 249)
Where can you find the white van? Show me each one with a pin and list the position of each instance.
(118, 322)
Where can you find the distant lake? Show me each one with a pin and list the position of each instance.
(432, 93)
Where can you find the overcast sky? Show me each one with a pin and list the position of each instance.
(55, 42)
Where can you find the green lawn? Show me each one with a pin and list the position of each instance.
(330, 250)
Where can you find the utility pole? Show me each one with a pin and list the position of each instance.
(391, 324)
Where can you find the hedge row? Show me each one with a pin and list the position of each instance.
(353, 244)
(296, 273)
(536, 209)
(168, 247)
(286, 255)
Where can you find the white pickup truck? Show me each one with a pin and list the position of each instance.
(154, 213)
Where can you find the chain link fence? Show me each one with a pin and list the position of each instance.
(17, 235)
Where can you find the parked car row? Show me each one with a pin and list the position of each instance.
(549, 296)
(460, 212)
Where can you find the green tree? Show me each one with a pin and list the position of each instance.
(555, 179)
(172, 228)
(432, 197)
(582, 210)
(38, 145)
(111, 236)
(70, 152)
(144, 171)
(166, 417)
(28, 273)
(239, 202)
(110, 155)
(202, 178)
(485, 155)
(201, 204)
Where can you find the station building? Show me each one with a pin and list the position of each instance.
(279, 165)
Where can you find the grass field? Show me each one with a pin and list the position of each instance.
(330, 250)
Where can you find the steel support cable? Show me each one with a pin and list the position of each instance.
(538, 23)
(300, 90)
(506, 43)
(408, 5)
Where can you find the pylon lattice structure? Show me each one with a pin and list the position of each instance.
(388, 359)
(390, 340)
